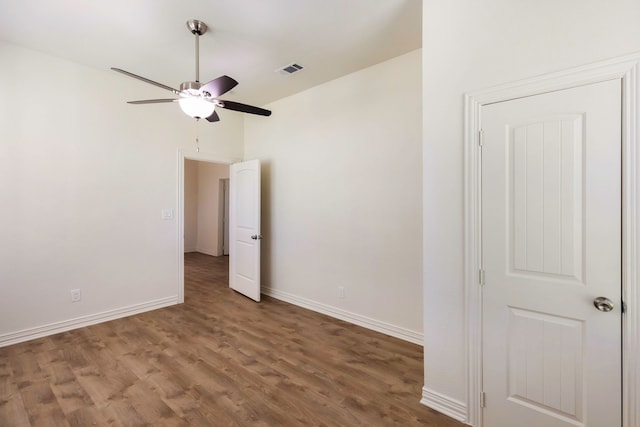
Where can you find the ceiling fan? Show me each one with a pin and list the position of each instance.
(196, 99)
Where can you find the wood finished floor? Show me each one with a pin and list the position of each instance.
(217, 360)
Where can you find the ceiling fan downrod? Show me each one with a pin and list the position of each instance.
(197, 28)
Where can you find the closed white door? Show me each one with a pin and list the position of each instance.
(551, 245)
(244, 228)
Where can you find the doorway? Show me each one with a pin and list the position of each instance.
(194, 168)
(205, 209)
(244, 223)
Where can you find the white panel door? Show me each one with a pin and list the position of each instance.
(244, 228)
(551, 244)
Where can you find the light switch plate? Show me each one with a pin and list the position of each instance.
(167, 213)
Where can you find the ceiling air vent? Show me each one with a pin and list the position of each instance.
(290, 69)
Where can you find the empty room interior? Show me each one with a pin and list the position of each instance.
(397, 212)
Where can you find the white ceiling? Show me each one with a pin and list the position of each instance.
(247, 39)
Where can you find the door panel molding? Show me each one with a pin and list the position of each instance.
(627, 69)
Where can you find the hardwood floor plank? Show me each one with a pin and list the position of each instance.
(150, 405)
(12, 410)
(42, 406)
(173, 394)
(88, 416)
(122, 413)
(70, 395)
(219, 359)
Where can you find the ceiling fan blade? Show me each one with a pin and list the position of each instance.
(213, 117)
(219, 86)
(151, 101)
(236, 106)
(144, 79)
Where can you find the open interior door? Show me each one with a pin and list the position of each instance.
(244, 228)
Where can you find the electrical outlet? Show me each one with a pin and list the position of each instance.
(341, 291)
(75, 295)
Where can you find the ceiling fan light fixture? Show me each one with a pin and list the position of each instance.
(196, 107)
(199, 100)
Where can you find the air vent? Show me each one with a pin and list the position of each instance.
(290, 69)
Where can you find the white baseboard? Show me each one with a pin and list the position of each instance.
(441, 403)
(347, 316)
(92, 319)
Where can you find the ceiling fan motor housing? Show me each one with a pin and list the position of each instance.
(193, 88)
(190, 86)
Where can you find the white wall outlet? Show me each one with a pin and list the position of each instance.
(340, 291)
(75, 295)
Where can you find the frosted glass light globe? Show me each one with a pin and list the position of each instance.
(196, 107)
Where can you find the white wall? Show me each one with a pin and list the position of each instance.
(470, 45)
(85, 177)
(341, 196)
(190, 205)
(209, 176)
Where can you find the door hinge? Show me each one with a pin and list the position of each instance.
(480, 137)
(481, 277)
(483, 399)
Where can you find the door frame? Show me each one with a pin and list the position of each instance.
(627, 69)
(182, 156)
